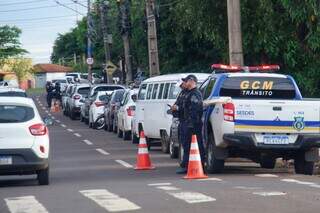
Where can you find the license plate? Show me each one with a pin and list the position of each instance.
(276, 139)
(4, 160)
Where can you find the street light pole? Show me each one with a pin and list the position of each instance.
(234, 31)
(89, 41)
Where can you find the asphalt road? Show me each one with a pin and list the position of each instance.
(91, 172)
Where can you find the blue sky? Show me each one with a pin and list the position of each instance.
(40, 21)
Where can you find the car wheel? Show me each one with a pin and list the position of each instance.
(134, 138)
(301, 166)
(164, 142)
(119, 133)
(110, 126)
(43, 176)
(173, 151)
(86, 121)
(267, 162)
(214, 165)
(81, 118)
(114, 127)
(72, 115)
(99, 123)
(126, 135)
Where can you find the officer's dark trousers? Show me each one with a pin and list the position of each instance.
(49, 99)
(186, 137)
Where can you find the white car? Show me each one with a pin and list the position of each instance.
(24, 139)
(96, 110)
(12, 92)
(155, 94)
(125, 114)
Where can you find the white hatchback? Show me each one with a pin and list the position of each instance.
(24, 139)
(96, 110)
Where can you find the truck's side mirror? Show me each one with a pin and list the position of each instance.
(134, 97)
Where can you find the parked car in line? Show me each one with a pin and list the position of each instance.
(12, 92)
(80, 91)
(155, 94)
(108, 88)
(24, 141)
(125, 114)
(111, 110)
(96, 79)
(62, 81)
(264, 119)
(75, 75)
(100, 99)
(64, 98)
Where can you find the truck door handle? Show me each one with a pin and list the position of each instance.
(277, 108)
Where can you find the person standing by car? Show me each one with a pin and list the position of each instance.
(57, 92)
(192, 111)
(49, 89)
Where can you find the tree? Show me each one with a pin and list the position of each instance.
(9, 42)
(22, 67)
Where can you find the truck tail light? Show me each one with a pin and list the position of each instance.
(99, 104)
(130, 111)
(76, 97)
(228, 112)
(38, 129)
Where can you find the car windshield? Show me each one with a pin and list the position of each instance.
(258, 88)
(103, 98)
(15, 114)
(117, 97)
(13, 94)
(84, 90)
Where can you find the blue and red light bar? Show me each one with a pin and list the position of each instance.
(236, 68)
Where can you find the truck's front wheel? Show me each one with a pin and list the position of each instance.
(301, 166)
(214, 165)
(267, 162)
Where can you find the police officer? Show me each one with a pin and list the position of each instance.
(176, 108)
(192, 110)
(49, 89)
(57, 92)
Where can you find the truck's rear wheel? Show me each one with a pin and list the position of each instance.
(301, 166)
(214, 165)
(164, 142)
(267, 162)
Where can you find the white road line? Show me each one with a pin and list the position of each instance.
(27, 204)
(315, 186)
(88, 142)
(58, 121)
(266, 175)
(248, 187)
(168, 188)
(78, 135)
(101, 151)
(109, 201)
(265, 194)
(47, 111)
(210, 179)
(123, 163)
(159, 184)
(64, 126)
(70, 130)
(53, 117)
(192, 197)
(297, 181)
(43, 108)
(49, 114)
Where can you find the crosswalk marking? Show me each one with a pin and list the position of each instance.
(192, 197)
(101, 151)
(159, 184)
(265, 194)
(77, 134)
(210, 179)
(88, 142)
(266, 175)
(109, 201)
(123, 163)
(70, 130)
(64, 126)
(297, 181)
(168, 188)
(26, 204)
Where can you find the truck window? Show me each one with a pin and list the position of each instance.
(142, 92)
(174, 91)
(166, 91)
(209, 88)
(258, 88)
(160, 91)
(149, 91)
(155, 91)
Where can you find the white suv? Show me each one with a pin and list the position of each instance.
(24, 139)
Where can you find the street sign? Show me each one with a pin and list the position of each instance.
(110, 68)
(90, 61)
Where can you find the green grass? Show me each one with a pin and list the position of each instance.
(36, 91)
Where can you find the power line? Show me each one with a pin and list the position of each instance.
(19, 3)
(65, 5)
(77, 2)
(36, 19)
(35, 8)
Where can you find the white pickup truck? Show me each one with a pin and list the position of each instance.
(265, 118)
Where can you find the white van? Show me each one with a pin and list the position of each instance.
(155, 94)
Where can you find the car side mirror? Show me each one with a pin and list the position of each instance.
(48, 121)
(134, 97)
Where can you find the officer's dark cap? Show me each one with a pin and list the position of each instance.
(190, 77)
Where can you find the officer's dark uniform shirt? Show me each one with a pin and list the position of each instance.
(179, 102)
(192, 108)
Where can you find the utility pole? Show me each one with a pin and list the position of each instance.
(103, 9)
(125, 30)
(89, 42)
(152, 39)
(234, 31)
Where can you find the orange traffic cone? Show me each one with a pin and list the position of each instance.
(195, 170)
(143, 158)
(55, 106)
